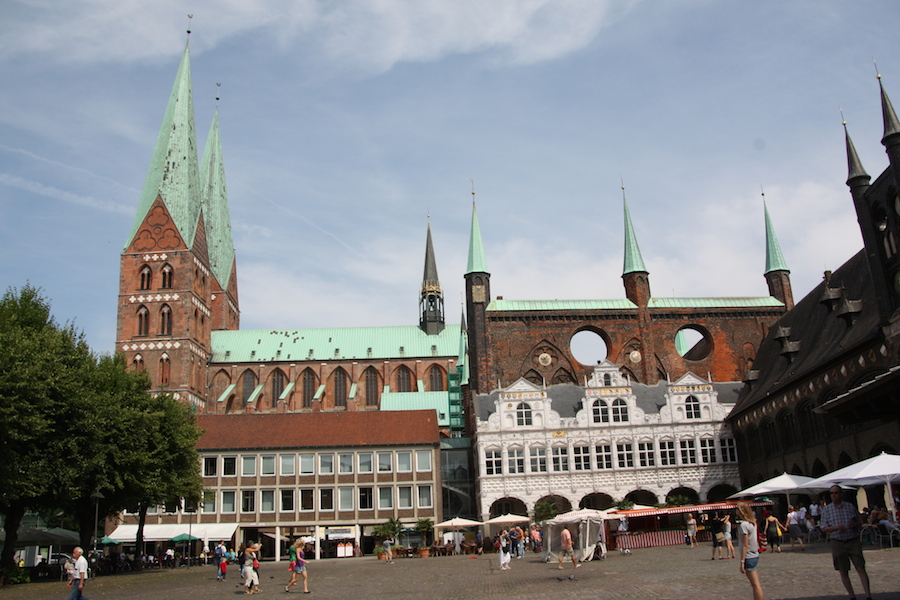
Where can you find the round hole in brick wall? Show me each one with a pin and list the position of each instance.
(693, 342)
(588, 347)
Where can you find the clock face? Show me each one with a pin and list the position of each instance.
(545, 359)
(635, 356)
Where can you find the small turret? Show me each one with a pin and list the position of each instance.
(431, 298)
(778, 276)
(634, 273)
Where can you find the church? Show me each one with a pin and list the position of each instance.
(179, 321)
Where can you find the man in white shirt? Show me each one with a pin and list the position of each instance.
(79, 576)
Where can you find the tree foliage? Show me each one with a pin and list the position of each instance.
(544, 511)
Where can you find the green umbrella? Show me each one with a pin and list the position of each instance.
(184, 538)
(108, 541)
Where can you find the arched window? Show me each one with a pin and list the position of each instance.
(168, 277)
(138, 363)
(807, 423)
(786, 425)
(277, 386)
(165, 320)
(600, 411)
(404, 380)
(165, 369)
(607, 379)
(340, 388)
(619, 411)
(769, 438)
(371, 378)
(309, 387)
(523, 415)
(692, 408)
(247, 386)
(436, 379)
(143, 316)
(146, 278)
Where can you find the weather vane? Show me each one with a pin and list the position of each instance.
(189, 24)
(218, 85)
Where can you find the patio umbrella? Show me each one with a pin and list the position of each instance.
(457, 522)
(784, 483)
(507, 518)
(882, 469)
(183, 538)
(108, 541)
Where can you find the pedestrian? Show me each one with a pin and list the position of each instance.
(535, 537)
(813, 516)
(505, 547)
(223, 568)
(251, 566)
(793, 524)
(718, 535)
(79, 575)
(566, 547)
(840, 520)
(520, 535)
(726, 529)
(479, 542)
(750, 548)
(773, 533)
(298, 566)
(220, 558)
(388, 556)
(692, 530)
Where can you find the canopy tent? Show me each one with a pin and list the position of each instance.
(127, 533)
(671, 510)
(883, 469)
(587, 531)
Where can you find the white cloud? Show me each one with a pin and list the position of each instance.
(51, 192)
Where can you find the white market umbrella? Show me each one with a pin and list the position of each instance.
(583, 513)
(457, 522)
(784, 483)
(507, 518)
(882, 469)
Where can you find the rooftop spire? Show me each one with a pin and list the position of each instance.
(214, 200)
(477, 262)
(431, 298)
(633, 261)
(774, 258)
(854, 165)
(430, 277)
(891, 124)
(174, 173)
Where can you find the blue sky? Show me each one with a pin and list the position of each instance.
(345, 124)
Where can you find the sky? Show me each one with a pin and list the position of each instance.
(347, 125)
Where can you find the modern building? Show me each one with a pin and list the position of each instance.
(613, 439)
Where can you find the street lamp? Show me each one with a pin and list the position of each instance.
(97, 496)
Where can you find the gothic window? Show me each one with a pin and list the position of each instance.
(143, 316)
(138, 363)
(277, 386)
(770, 438)
(523, 415)
(309, 387)
(247, 386)
(165, 320)
(692, 408)
(436, 379)
(810, 424)
(619, 411)
(404, 380)
(340, 388)
(168, 277)
(600, 411)
(371, 378)
(146, 278)
(787, 427)
(165, 369)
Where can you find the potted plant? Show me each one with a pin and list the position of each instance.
(424, 526)
(387, 531)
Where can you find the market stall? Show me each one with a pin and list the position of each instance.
(588, 534)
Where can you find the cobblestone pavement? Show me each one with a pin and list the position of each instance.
(675, 572)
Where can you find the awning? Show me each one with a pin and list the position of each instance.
(687, 508)
(127, 533)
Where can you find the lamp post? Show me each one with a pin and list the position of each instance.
(97, 496)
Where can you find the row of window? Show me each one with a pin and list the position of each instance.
(289, 500)
(604, 412)
(167, 276)
(323, 463)
(606, 456)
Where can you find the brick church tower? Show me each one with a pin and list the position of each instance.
(177, 277)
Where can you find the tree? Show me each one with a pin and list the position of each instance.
(544, 511)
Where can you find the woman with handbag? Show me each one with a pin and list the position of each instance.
(251, 566)
(297, 566)
(773, 533)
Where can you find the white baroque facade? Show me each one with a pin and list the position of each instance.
(593, 445)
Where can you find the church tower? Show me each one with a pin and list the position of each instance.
(478, 297)
(637, 289)
(167, 278)
(778, 276)
(431, 298)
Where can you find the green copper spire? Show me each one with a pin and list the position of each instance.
(174, 173)
(633, 261)
(477, 261)
(215, 206)
(774, 258)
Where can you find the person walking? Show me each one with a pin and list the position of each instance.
(251, 564)
(750, 548)
(718, 535)
(566, 547)
(794, 527)
(840, 520)
(692, 530)
(505, 548)
(298, 566)
(479, 542)
(520, 535)
(773, 533)
(79, 575)
(219, 553)
(388, 556)
(726, 529)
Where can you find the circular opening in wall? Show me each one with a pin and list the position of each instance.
(692, 342)
(588, 347)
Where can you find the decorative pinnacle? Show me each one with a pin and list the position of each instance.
(189, 24)
(218, 85)
(473, 189)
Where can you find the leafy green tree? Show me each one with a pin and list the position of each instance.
(544, 511)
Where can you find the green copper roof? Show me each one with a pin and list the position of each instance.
(215, 206)
(174, 173)
(774, 258)
(332, 344)
(737, 302)
(520, 305)
(633, 261)
(477, 261)
(438, 401)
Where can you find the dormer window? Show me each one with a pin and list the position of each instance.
(523, 415)
(619, 411)
(692, 408)
(600, 412)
